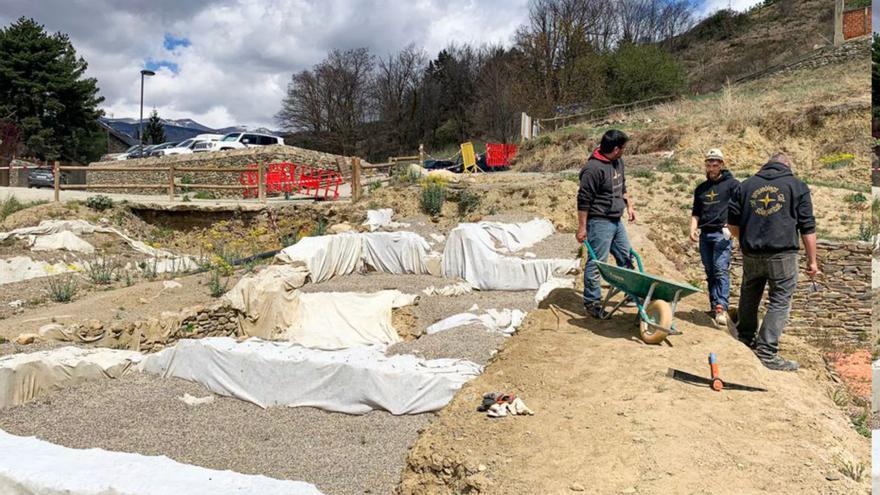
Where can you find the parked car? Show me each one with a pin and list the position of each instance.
(142, 152)
(124, 154)
(43, 177)
(164, 146)
(238, 140)
(186, 147)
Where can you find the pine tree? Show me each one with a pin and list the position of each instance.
(43, 89)
(154, 133)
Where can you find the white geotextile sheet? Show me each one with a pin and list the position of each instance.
(27, 375)
(377, 219)
(875, 461)
(272, 308)
(470, 255)
(875, 386)
(513, 237)
(458, 289)
(20, 268)
(31, 466)
(552, 284)
(505, 321)
(339, 320)
(352, 381)
(342, 254)
(65, 240)
(875, 273)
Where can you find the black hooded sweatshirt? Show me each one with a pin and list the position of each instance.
(711, 199)
(602, 186)
(772, 209)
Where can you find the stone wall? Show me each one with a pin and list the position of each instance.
(858, 48)
(840, 313)
(218, 160)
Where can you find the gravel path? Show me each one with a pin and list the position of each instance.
(341, 454)
(471, 342)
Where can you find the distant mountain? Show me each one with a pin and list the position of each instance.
(179, 129)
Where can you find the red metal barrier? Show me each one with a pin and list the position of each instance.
(293, 178)
(499, 155)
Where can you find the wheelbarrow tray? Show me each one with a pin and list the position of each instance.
(638, 284)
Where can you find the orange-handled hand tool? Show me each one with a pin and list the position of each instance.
(716, 383)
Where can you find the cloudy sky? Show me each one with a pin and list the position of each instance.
(227, 62)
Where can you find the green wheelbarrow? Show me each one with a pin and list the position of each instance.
(656, 297)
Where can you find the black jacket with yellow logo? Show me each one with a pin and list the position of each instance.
(711, 199)
(772, 209)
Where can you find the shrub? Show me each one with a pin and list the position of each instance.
(837, 161)
(643, 174)
(669, 165)
(320, 227)
(373, 186)
(855, 198)
(433, 197)
(204, 195)
(99, 202)
(638, 72)
(11, 205)
(218, 283)
(468, 202)
(61, 288)
(100, 269)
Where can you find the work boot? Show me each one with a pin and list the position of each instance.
(776, 363)
(595, 310)
(720, 316)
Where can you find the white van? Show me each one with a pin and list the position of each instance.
(186, 147)
(237, 141)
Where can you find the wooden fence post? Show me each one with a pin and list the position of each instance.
(171, 182)
(355, 179)
(421, 154)
(57, 178)
(261, 181)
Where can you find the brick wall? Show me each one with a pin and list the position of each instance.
(841, 312)
(856, 23)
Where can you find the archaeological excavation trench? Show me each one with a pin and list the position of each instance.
(314, 373)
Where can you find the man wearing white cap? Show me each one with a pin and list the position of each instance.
(709, 228)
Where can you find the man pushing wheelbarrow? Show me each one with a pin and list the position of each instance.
(601, 202)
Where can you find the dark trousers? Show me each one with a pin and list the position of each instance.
(780, 271)
(715, 253)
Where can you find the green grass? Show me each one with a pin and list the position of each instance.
(11, 205)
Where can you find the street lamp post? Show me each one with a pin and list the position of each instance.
(144, 72)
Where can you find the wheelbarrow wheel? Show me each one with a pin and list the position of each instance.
(660, 313)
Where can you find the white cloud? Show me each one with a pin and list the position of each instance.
(242, 52)
(710, 6)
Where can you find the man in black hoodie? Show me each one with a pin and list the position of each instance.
(772, 208)
(709, 228)
(601, 201)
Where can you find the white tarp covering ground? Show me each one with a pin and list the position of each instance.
(513, 237)
(875, 461)
(343, 254)
(272, 308)
(30, 466)
(505, 321)
(352, 381)
(63, 235)
(377, 219)
(24, 376)
(471, 255)
(875, 386)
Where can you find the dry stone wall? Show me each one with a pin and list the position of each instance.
(840, 313)
(218, 160)
(856, 49)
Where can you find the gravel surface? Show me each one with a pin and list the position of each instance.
(471, 342)
(339, 453)
(10, 347)
(558, 245)
(374, 281)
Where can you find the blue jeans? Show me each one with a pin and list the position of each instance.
(715, 253)
(604, 236)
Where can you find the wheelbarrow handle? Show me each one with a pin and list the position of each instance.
(632, 253)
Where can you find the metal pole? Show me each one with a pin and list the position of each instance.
(141, 120)
(57, 178)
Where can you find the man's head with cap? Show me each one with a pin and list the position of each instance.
(714, 163)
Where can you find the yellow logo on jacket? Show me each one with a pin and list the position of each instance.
(710, 197)
(767, 200)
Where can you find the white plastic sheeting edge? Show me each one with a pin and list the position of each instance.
(505, 321)
(37, 467)
(24, 376)
(352, 381)
(513, 237)
(550, 285)
(470, 255)
(377, 219)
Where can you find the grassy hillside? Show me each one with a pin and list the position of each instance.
(819, 116)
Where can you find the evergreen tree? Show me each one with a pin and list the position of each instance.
(44, 92)
(154, 133)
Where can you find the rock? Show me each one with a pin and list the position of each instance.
(339, 228)
(16, 304)
(832, 476)
(50, 330)
(95, 325)
(171, 284)
(577, 487)
(481, 468)
(143, 300)
(26, 338)
(631, 489)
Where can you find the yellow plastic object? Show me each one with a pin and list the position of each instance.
(467, 155)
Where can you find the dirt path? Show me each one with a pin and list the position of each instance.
(608, 419)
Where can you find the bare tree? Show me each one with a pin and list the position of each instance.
(303, 108)
(396, 91)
